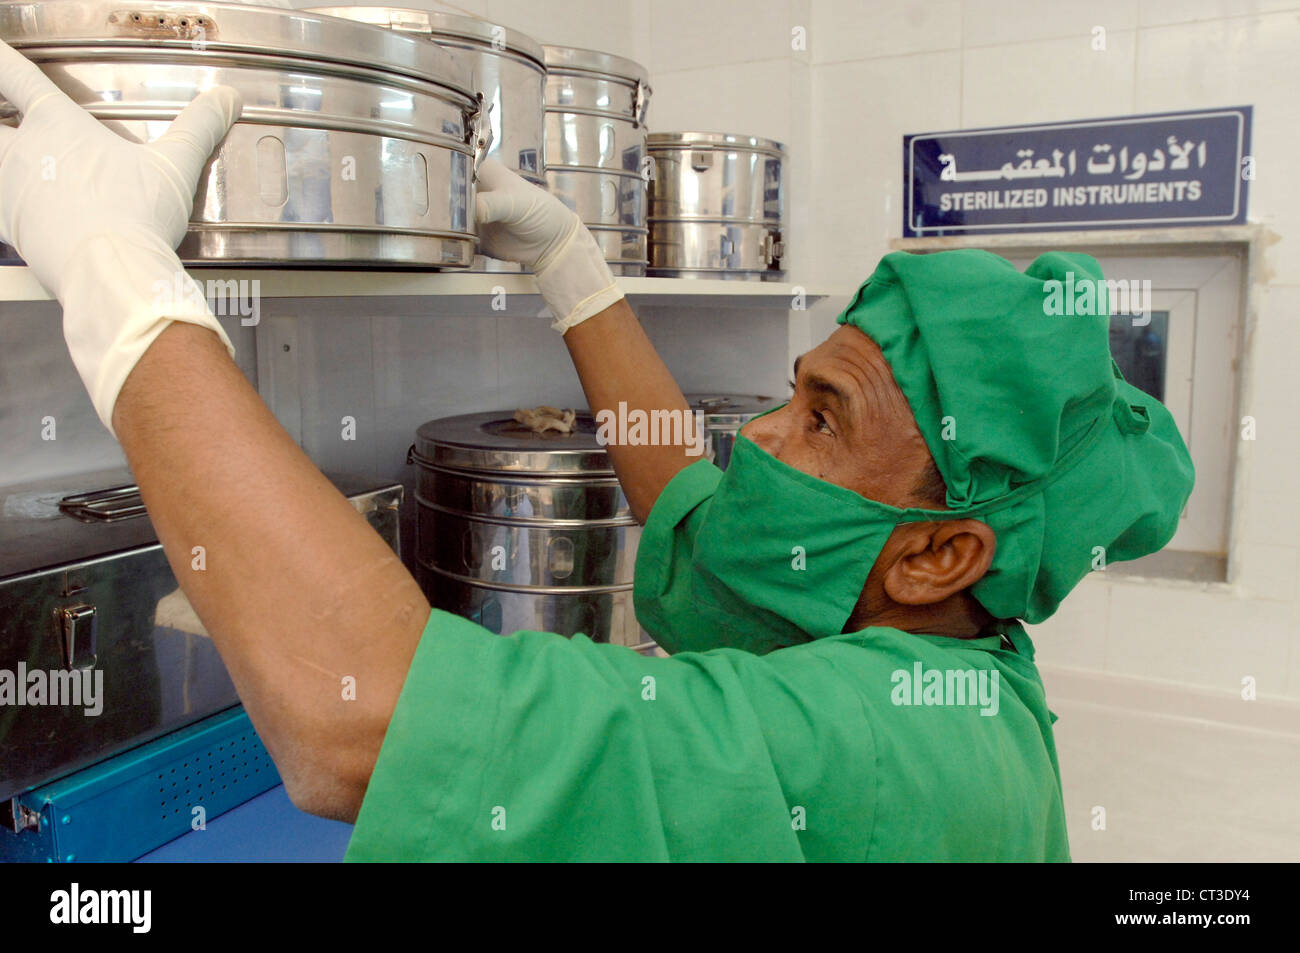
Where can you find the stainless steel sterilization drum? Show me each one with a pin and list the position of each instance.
(357, 145)
(595, 145)
(716, 206)
(524, 531)
(505, 66)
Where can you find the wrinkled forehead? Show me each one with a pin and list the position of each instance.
(849, 344)
(851, 363)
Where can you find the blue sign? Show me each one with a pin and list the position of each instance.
(1186, 168)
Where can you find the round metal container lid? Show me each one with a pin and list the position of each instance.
(716, 140)
(433, 25)
(564, 59)
(729, 411)
(269, 31)
(495, 443)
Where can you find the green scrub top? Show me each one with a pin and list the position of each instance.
(876, 745)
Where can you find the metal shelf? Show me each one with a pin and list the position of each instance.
(18, 284)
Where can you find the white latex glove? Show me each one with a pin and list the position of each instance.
(97, 219)
(519, 222)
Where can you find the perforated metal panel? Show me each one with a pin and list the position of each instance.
(238, 763)
(126, 806)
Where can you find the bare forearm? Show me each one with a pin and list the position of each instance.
(616, 362)
(294, 587)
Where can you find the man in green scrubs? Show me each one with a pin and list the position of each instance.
(849, 678)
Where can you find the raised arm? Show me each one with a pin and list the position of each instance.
(316, 619)
(615, 360)
(617, 363)
(295, 589)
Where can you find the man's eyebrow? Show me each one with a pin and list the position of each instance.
(823, 386)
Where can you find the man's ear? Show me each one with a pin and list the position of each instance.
(936, 560)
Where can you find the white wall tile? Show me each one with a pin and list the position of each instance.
(1270, 518)
(801, 150)
(802, 17)
(1269, 490)
(1076, 634)
(852, 30)
(605, 25)
(857, 166)
(987, 22)
(1208, 638)
(1246, 61)
(1231, 62)
(750, 98)
(1293, 674)
(468, 8)
(1271, 466)
(1267, 571)
(472, 8)
(688, 34)
(1047, 80)
(1153, 12)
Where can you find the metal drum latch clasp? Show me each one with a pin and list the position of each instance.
(478, 130)
(640, 103)
(773, 248)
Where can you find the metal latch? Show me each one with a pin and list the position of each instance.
(18, 817)
(773, 248)
(640, 102)
(478, 130)
(701, 161)
(104, 506)
(76, 628)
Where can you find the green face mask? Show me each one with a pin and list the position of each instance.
(781, 557)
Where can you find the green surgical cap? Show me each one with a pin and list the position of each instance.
(1029, 420)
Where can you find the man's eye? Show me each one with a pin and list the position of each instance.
(820, 424)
